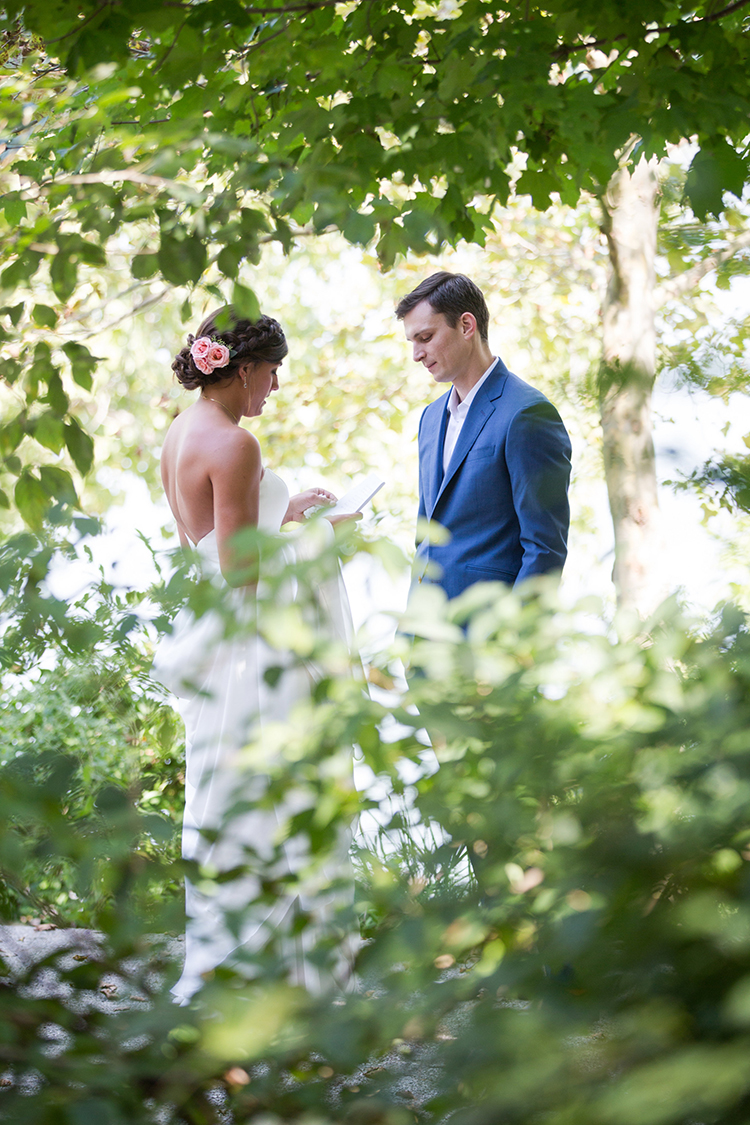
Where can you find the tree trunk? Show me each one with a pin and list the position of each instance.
(626, 384)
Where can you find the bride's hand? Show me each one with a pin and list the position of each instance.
(312, 498)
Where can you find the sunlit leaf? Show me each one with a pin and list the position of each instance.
(44, 316)
(32, 499)
(245, 301)
(80, 446)
(82, 363)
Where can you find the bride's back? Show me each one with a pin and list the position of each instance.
(197, 446)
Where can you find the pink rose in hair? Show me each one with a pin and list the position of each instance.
(208, 354)
(200, 348)
(218, 355)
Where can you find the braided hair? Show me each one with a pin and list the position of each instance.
(260, 341)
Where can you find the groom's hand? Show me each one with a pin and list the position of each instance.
(343, 518)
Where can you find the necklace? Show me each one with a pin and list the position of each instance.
(234, 417)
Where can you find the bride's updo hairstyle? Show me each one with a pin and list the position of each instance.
(260, 341)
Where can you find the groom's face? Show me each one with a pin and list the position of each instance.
(443, 350)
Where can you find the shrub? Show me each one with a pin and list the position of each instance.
(557, 902)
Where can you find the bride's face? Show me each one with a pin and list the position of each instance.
(262, 379)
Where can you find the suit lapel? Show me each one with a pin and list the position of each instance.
(482, 408)
(434, 439)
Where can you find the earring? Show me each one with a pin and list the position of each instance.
(244, 382)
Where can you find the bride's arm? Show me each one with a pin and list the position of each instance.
(235, 479)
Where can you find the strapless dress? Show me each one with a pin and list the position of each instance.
(224, 699)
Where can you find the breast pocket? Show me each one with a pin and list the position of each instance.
(481, 453)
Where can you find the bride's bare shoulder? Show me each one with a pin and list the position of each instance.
(196, 448)
(232, 452)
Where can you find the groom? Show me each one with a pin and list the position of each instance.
(494, 455)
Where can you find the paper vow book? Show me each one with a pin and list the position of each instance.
(354, 500)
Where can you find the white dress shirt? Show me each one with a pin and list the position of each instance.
(457, 411)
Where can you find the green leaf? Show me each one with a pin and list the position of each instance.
(389, 244)
(245, 302)
(717, 168)
(55, 395)
(87, 525)
(104, 41)
(252, 222)
(31, 498)
(82, 363)
(539, 185)
(10, 369)
(49, 431)
(64, 274)
(15, 312)
(4, 499)
(359, 228)
(92, 253)
(11, 436)
(14, 208)
(182, 261)
(31, 168)
(229, 259)
(23, 269)
(41, 371)
(44, 316)
(58, 484)
(80, 446)
(144, 266)
(284, 235)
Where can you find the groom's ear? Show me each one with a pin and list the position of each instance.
(467, 323)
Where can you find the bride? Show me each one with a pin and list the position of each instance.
(217, 485)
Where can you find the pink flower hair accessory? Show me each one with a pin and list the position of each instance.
(209, 354)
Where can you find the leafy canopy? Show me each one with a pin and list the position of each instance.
(173, 139)
(315, 105)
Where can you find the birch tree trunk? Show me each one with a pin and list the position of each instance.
(626, 385)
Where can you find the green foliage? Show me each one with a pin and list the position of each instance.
(556, 904)
(722, 483)
(566, 893)
(162, 143)
(83, 728)
(94, 738)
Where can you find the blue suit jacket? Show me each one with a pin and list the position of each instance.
(504, 497)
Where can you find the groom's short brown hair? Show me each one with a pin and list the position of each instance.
(450, 294)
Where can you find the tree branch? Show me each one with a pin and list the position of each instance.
(78, 26)
(112, 176)
(564, 51)
(261, 42)
(153, 299)
(690, 278)
(310, 6)
(256, 10)
(76, 318)
(171, 47)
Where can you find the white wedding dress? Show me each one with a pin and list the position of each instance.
(225, 701)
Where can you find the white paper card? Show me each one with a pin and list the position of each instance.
(356, 498)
